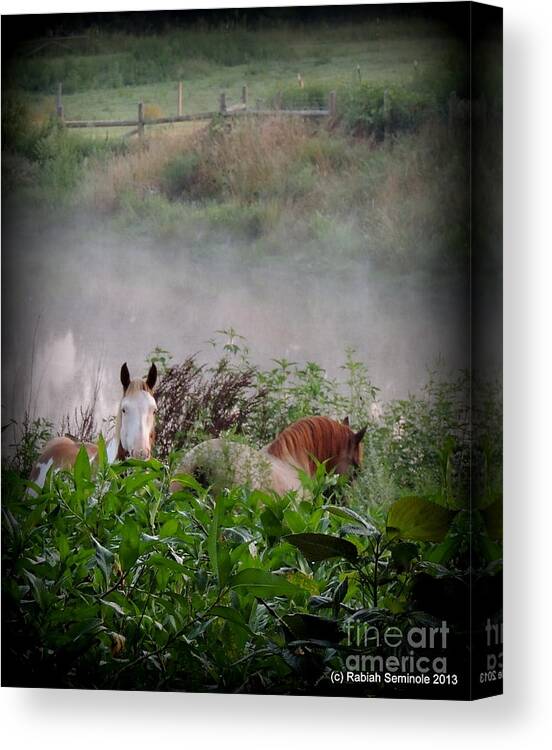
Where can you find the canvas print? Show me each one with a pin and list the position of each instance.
(251, 362)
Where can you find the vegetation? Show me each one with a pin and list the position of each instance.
(104, 59)
(270, 188)
(110, 581)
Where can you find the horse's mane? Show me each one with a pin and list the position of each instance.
(310, 438)
(137, 385)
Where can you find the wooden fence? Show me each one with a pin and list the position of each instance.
(224, 109)
(458, 112)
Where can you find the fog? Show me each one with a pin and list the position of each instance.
(81, 297)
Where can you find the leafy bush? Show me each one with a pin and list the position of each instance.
(312, 96)
(109, 581)
(363, 111)
(114, 583)
(180, 176)
(193, 400)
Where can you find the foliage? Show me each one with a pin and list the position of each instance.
(106, 58)
(203, 402)
(112, 582)
(28, 438)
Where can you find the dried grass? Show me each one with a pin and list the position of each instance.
(140, 169)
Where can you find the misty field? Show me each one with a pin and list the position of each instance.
(340, 191)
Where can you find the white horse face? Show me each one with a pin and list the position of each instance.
(137, 415)
(138, 424)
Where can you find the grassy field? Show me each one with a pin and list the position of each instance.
(337, 192)
(379, 63)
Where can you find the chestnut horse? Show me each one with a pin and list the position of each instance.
(134, 431)
(277, 466)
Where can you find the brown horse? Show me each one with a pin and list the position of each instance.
(277, 466)
(134, 431)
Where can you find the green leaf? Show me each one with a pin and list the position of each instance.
(156, 561)
(138, 480)
(231, 615)
(318, 547)
(113, 605)
(38, 588)
(351, 528)
(129, 549)
(294, 521)
(102, 453)
(212, 538)
(188, 481)
(403, 553)
(313, 627)
(62, 544)
(263, 583)
(82, 474)
(338, 510)
(104, 559)
(418, 519)
(169, 528)
(271, 524)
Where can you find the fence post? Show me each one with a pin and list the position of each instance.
(386, 113)
(222, 103)
(179, 103)
(59, 103)
(279, 100)
(300, 81)
(141, 120)
(244, 94)
(332, 104)
(358, 74)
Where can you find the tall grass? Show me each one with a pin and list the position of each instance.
(274, 186)
(286, 188)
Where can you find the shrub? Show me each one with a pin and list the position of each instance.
(179, 178)
(110, 581)
(195, 401)
(312, 96)
(362, 108)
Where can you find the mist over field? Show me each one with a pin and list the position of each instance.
(82, 297)
(306, 239)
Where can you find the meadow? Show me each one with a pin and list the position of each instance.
(261, 185)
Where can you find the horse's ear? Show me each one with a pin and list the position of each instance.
(345, 421)
(125, 376)
(152, 376)
(360, 434)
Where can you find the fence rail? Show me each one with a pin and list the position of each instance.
(458, 112)
(239, 109)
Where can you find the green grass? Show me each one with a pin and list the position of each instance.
(337, 193)
(326, 65)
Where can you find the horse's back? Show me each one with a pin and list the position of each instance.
(59, 453)
(224, 463)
